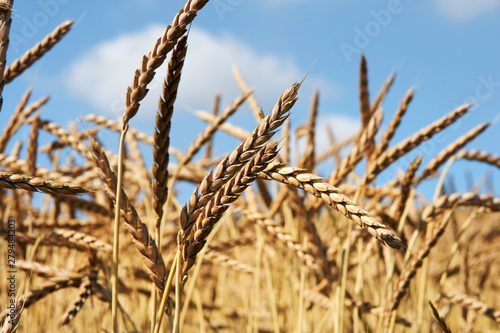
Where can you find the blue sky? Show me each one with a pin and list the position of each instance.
(447, 49)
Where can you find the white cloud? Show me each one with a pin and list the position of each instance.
(102, 74)
(466, 9)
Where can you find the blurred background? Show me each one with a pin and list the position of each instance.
(448, 50)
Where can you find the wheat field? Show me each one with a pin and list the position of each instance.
(106, 243)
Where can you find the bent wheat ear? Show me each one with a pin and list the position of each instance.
(335, 199)
(16, 181)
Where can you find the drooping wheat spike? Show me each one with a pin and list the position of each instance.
(215, 112)
(5, 22)
(146, 72)
(307, 160)
(377, 102)
(472, 303)
(211, 213)
(450, 150)
(18, 118)
(357, 153)
(17, 181)
(207, 133)
(445, 202)
(232, 163)
(334, 198)
(27, 59)
(163, 123)
(251, 100)
(389, 156)
(481, 156)
(410, 271)
(83, 293)
(394, 123)
(406, 185)
(138, 230)
(237, 132)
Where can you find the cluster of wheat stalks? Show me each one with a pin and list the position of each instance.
(249, 250)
